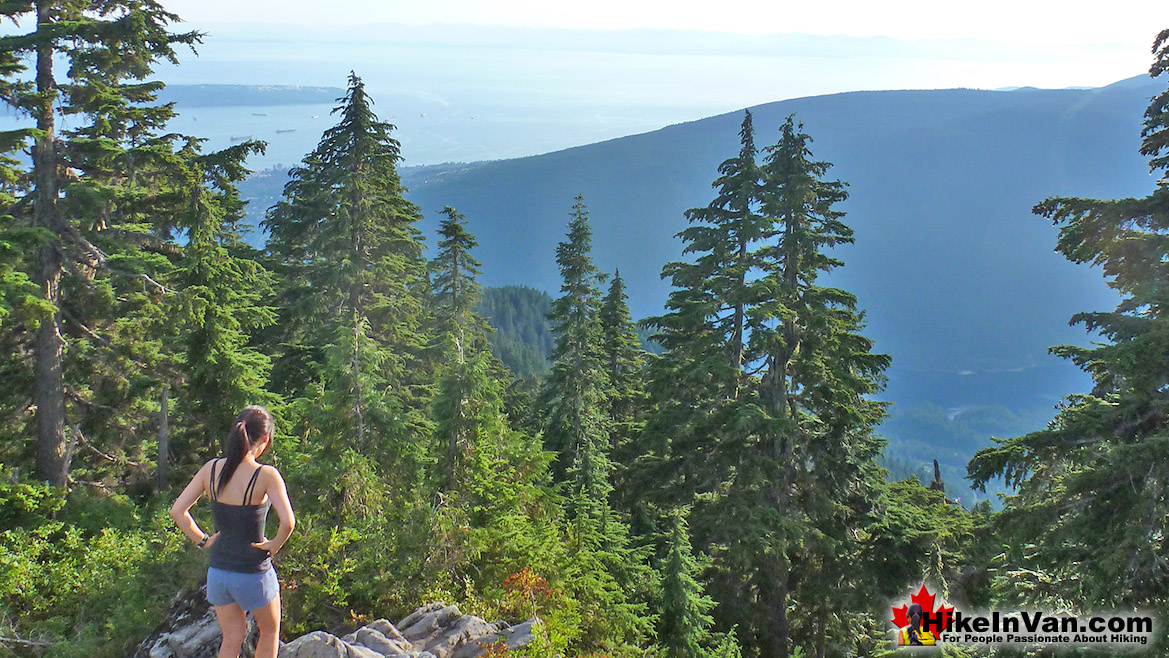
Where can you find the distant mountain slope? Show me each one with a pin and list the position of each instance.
(958, 277)
(523, 337)
(959, 280)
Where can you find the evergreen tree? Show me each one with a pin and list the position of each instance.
(494, 518)
(469, 396)
(625, 368)
(577, 427)
(21, 306)
(624, 359)
(685, 611)
(356, 286)
(352, 339)
(456, 290)
(702, 331)
(603, 574)
(1085, 526)
(775, 443)
(97, 195)
(220, 305)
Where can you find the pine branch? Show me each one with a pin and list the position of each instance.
(84, 329)
(146, 241)
(25, 643)
(80, 438)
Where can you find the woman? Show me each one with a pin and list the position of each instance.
(912, 635)
(240, 578)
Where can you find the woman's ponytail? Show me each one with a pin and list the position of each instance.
(251, 424)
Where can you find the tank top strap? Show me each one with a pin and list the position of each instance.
(211, 484)
(251, 488)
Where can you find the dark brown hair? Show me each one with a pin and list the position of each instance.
(251, 424)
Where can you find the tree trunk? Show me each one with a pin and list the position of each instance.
(777, 603)
(820, 630)
(164, 438)
(52, 448)
(774, 391)
(357, 401)
(740, 312)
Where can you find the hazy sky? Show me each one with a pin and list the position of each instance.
(481, 79)
(868, 45)
(1045, 21)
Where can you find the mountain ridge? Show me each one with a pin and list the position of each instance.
(959, 281)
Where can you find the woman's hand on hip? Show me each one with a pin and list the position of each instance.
(268, 545)
(210, 540)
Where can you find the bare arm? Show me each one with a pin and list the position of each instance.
(278, 494)
(181, 513)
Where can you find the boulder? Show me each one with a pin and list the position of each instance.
(368, 636)
(419, 628)
(409, 619)
(191, 630)
(457, 633)
(320, 644)
(516, 636)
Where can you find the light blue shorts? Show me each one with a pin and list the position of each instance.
(250, 590)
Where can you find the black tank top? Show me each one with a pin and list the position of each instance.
(239, 526)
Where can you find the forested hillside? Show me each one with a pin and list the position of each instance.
(522, 338)
(722, 497)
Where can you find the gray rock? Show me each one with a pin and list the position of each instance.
(516, 636)
(463, 631)
(320, 644)
(519, 635)
(409, 619)
(428, 624)
(191, 630)
(376, 640)
(432, 631)
(384, 627)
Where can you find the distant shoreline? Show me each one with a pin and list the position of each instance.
(221, 95)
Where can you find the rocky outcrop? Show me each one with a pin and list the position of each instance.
(432, 631)
(190, 630)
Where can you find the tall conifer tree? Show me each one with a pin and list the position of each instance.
(355, 299)
(603, 573)
(772, 434)
(220, 305)
(703, 331)
(1085, 527)
(354, 307)
(493, 518)
(624, 358)
(577, 426)
(94, 195)
(456, 289)
(462, 336)
(625, 367)
(685, 611)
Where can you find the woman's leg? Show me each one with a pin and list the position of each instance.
(234, 624)
(268, 619)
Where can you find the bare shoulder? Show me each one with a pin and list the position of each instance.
(271, 475)
(205, 469)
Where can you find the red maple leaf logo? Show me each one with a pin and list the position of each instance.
(926, 601)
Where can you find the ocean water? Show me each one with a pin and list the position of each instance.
(429, 132)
